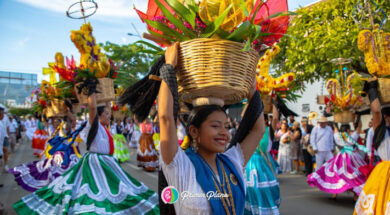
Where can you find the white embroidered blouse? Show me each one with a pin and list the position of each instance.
(180, 173)
(101, 143)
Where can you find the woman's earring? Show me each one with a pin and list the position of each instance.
(195, 144)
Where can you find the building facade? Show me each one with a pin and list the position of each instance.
(15, 87)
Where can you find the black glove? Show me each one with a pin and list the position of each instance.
(167, 73)
(372, 89)
(88, 86)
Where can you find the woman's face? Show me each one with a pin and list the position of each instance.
(105, 117)
(213, 134)
(284, 127)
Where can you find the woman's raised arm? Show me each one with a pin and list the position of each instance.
(251, 141)
(168, 136)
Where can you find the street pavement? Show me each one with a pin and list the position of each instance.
(297, 197)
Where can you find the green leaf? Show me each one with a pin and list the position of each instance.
(240, 33)
(247, 45)
(177, 23)
(192, 6)
(166, 30)
(256, 10)
(244, 8)
(149, 45)
(278, 15)
(183, 11)
(165, 37)
(213, 27)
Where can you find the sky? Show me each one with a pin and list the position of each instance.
(32, 31)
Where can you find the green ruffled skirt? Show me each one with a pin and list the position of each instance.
(95, 185)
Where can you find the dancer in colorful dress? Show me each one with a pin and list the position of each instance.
(375, 197)
(121, 152)
(37, 174)
(147, 156)
(39, 139)
(97, 184)
(205, 167)
(262, 186)
(341, 173)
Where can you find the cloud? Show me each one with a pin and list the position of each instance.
(23, 41)
(106, 8)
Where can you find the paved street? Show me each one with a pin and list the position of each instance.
(297, 196)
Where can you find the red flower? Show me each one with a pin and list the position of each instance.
(153, 11)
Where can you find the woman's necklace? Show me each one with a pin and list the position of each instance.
(217, 184)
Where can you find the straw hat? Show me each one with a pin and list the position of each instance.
(322, 119)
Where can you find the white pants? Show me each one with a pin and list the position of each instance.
(322, 157)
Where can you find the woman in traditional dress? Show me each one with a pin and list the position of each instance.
(30, 127)
(284, 135)
(121, 151)
(375, 197)
(39, 139)
(341, 173)
(262, 186)
(204, 168)
(34, 175)
(147, 156)
(97, 184)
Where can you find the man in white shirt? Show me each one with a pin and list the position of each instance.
(321, 139)
(13, 129)
(5, 142)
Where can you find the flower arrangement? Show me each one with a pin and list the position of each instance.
(376, 47)
(253, 22)
(344, 96)
(265, 82)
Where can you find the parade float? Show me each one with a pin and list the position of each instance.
(266, 84)
(344, 93)
(220, 43)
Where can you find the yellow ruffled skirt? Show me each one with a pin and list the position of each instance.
(375, 197)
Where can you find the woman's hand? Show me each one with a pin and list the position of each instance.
(171, 54)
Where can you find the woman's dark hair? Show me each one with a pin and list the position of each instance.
(94, 127)
(141, 95)
(345, 127)
(199, 114)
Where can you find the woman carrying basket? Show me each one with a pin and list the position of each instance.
(97, 184)
(375, 197)
(204, 169)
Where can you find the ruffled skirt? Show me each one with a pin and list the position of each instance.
(121, 151)
(37, 174)
(95, 185)
(147, 156)
(339, 174)
(375, 197)
(39, 141)
(263, 194)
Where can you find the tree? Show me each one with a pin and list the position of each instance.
(318, 34)
(134, 60)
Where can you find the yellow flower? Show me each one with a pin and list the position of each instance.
(210, 10)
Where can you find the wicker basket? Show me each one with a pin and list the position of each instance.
(76, 108)
(215, 68)
(118, 115)
(58, 107)
(344, 117)
(321, 100)
(105, 93)
(267, 101)
(384, 90)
